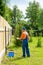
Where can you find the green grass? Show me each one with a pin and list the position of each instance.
(36, 57)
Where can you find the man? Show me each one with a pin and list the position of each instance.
(24, 38)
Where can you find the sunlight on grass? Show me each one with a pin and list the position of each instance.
(36, 54)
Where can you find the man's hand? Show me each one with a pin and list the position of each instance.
(18, 38)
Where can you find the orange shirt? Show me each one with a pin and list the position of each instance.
(23, 35)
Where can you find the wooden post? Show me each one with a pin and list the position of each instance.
(5, 41)
(8, 36)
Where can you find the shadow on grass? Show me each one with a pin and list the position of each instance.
(14, 59)
(18, 58)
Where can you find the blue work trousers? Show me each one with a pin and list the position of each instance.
(25, 49)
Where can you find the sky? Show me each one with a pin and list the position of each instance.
(22, 4)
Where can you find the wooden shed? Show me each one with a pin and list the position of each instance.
(5, 35)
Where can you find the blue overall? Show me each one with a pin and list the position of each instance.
(25, 47)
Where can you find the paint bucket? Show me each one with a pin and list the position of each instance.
(11, 54)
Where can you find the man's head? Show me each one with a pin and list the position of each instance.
(23, 29)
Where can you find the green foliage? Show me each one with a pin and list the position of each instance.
(8, 15)
(2, 8)
(30, 39)
(32, 12)
(31, 31)
(17, 13)
(39, 42)
(5, 11)
(35, 15)
(17, 34)
(40, 19)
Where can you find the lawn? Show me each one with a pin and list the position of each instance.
(36, 57)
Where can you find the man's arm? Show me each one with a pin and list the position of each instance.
(23, 36)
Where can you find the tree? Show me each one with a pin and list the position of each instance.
(8, 15)
(32, 12)
(40, 19)
(14, 14)
(2, 9)
(17, 13)
(5, 11)
(2, 6)
(18, 29)
(17, 24)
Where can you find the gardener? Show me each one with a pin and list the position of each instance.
(24, 38)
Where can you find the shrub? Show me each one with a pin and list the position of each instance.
(30, 40)
(17, 34)
(31, 31)
(39, 42)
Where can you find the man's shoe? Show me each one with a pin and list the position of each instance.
(23, 56)
(28, 56)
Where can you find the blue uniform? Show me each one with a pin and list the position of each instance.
(25, 44)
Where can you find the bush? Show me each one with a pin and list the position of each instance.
(39, 42)
(31, 31)
(17, 34)
(30, 39)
